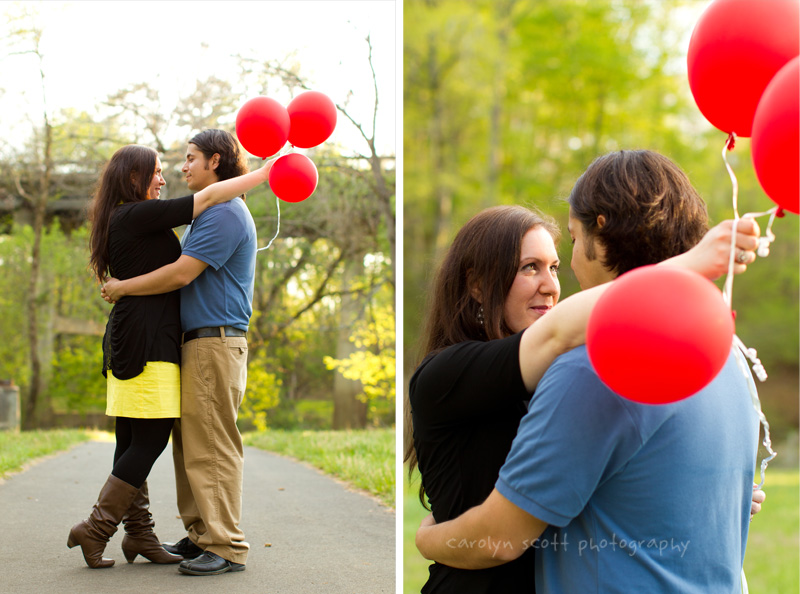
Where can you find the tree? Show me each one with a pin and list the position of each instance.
(36, 192)
(353, 236)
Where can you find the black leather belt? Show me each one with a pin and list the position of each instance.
(212, 332)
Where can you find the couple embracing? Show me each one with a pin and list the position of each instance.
(175, 349)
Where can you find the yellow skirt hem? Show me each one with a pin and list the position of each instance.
(153, 394)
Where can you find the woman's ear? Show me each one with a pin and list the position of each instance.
(474, 287)
(601, 221)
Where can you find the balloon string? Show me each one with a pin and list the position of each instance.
(763, 251)
(284, 151)
(730, 142)
(278, 205)
(727, 293)
(758, 368)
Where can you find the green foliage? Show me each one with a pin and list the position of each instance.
(373, 364)
(315, 415)
(262, 394)
(14, 269)
(363, 458)
(77, 384)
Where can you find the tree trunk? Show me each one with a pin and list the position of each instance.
(40, 198)
(30, 417)
(348, 411)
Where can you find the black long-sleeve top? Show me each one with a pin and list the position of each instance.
(467, 402)
(147, 328)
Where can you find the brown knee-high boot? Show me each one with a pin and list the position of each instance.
(93, 533)
(139, 536)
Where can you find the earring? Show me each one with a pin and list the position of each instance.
(480, 316)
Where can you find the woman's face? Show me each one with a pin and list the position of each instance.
(154, 189)
(536, 288)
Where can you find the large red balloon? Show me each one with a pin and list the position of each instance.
(736, 48)
(262, 126)
(659, 334)
(293, 177)
(776, 138)
(313, 117)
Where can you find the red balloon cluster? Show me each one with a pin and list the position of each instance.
(659, 334)
(263, 126)
(736, 52)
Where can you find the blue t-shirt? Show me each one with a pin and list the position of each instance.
(639, 498)
(224, 237)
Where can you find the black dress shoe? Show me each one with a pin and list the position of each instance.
(184, 547)
(209, 564)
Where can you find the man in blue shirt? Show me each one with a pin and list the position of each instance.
(618, 496)
(215, 274)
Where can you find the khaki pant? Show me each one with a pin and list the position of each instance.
(207, 446)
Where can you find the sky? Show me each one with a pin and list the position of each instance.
(93, 49)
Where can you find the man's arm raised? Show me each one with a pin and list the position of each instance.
(564, 327)
(229, 189)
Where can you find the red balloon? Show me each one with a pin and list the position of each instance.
(736, 48)
(293, 177)
(659, 334)
(313, 117)
(262, 126)
(776, 138)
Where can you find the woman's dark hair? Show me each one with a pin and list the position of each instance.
(651, 210)
(232, 160)
(125, 178)
(484, 256)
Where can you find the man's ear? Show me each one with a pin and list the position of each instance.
(601, 221)
(214, 161)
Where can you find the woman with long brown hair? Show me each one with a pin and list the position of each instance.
(493, 328)
(132, 235)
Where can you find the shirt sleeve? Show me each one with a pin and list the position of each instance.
(575, 435)
(468, 379)
(156, 215)
(215, 235)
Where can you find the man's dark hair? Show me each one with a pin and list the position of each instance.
(232, 160)
(651, 210)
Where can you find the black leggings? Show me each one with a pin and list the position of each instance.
(139, 443)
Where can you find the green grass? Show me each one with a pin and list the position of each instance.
(772, 546)
(18, 449)
(362, 458)
(415, 566)
(770, 563)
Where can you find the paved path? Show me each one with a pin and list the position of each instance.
(323, 537)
